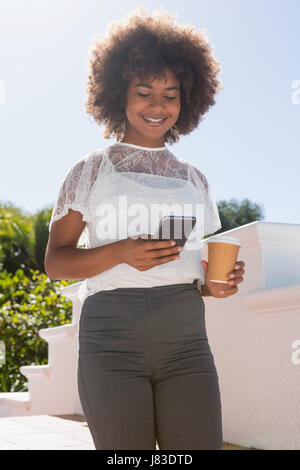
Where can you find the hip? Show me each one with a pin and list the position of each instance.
(164, 312)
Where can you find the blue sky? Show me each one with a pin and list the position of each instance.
(248, 145)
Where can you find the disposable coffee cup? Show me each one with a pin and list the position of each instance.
(222, 256)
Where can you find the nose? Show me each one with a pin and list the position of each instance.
(156, 102)
(156, 110)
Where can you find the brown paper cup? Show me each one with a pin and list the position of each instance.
(222, 256)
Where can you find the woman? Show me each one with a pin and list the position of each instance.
(145, 369)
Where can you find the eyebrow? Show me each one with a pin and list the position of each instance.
(147, 85)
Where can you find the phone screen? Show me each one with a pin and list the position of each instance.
(177, 228)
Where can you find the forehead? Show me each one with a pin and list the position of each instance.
(168, 78)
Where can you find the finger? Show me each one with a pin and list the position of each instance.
(233, 277)
(166, 255)
(159, 244)
(166, 259)
(162, 252)
(162, 260)
(239, 265)
(235, 273)
(154, 244)
(235, 281)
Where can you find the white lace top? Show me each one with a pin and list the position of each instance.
(120, 185)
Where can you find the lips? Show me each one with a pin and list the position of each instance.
(153, 123)
(154, 117)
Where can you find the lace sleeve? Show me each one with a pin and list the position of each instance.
(212, 221)
(73, 194)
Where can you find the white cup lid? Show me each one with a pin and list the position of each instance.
(223, 239)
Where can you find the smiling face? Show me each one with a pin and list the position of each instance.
(158, 98)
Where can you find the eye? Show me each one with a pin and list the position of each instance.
(168, 97)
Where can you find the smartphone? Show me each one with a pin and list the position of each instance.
(174, 227)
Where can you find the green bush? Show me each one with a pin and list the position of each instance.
(27, 305)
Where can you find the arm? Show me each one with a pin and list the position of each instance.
(64, 261)
(70, 263)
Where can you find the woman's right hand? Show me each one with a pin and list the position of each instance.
(144, 254)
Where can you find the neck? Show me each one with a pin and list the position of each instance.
(142, 143)
(129, 144)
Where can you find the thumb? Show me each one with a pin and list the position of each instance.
(204, 265)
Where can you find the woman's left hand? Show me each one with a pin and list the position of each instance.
(222, 290)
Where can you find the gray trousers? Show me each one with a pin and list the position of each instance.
(146, 372)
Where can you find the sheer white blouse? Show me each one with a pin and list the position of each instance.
(110, 186)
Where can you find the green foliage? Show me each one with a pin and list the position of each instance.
(27, 305)
(234, 214)
(16, 239)
(23, 238)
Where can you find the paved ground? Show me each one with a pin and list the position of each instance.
(43, 432)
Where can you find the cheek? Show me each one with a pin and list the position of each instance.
(132, 113)
(175, 108)
(134, 108)
(176, 104)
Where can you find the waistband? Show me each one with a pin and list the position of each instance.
(165, 287)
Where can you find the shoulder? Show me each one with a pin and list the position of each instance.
(195, 173)
(92, 157)
(89, 161)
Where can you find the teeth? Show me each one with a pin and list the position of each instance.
(153, 120)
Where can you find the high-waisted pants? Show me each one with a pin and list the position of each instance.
(146, 373)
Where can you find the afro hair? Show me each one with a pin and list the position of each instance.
(142, 45)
